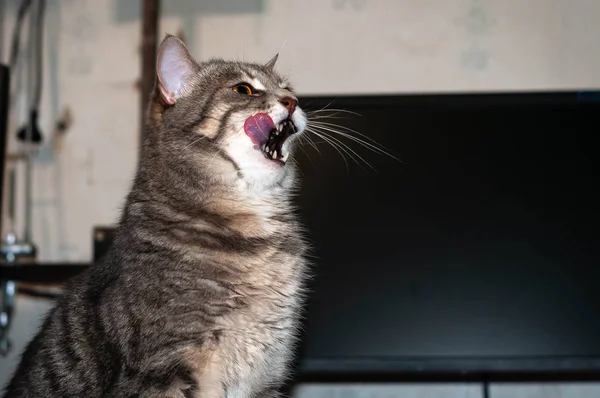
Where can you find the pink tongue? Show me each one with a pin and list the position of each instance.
(258, 127)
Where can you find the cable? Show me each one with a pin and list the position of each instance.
(2, 8)
(16, 39)
(31, 132)
(39, 62)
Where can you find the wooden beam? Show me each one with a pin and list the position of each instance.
(150, 13)
(4, 99)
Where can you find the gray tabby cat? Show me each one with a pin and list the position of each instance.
(200, 293)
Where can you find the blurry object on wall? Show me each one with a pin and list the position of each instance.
(13, 250)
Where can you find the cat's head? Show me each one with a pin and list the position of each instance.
(229, 118)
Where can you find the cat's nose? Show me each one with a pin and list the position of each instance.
(289, 103)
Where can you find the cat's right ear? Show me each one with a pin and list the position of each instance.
(271, 64)
(175, 69)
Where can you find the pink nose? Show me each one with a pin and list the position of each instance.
(289, 103)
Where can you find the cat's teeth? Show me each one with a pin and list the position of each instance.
(284, 158)
(273, 155)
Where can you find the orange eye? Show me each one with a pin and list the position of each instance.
(243, 89)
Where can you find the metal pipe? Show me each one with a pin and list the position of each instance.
(7, 287)
(32, 75)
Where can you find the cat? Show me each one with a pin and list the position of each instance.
(201, 291)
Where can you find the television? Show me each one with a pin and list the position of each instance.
(472, 246)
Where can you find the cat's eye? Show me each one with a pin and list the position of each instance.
(244, 89)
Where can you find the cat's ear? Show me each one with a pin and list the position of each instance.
(271, 64)
(175, 69)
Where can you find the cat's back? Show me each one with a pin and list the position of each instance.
(67, 357)
(119, 320)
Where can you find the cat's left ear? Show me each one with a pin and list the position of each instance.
(271, 64)
(175, 69)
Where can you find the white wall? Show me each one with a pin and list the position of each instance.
(365, 46)
(333, 46)
(327, 46)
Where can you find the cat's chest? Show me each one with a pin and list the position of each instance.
(257, 345)
(252, 344)
(254, 332)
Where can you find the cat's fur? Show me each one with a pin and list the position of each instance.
(200, 293)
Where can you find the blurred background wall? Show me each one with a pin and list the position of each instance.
(92, 68)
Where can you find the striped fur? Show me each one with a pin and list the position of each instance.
(200, 293)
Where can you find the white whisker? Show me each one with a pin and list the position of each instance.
(333, 125)
(311, 142)
(333, 145)
(325, 107)
(304, 137)
(362, 142)
(214, 158)
(343, 145)
(322, 117)
(334, 110)
(194, 142)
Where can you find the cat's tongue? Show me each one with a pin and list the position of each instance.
(258, 128)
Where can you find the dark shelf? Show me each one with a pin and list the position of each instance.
(42, 273)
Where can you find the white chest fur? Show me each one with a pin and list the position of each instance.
(257, 348)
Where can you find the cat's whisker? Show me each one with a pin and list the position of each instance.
(363, 143)
(344, 145)
(325, 117)
(336, 110)
(309, 159)
(215, 157)
(333, 145)
(349, 151)
(345, 128)
(316, 122)
(194, 142)
(326, 106)
(374, 147)
(307, 138)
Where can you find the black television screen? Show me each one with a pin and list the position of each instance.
(477, 251)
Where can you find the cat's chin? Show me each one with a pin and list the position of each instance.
(267, 165)
(270, 159)
(254, 167)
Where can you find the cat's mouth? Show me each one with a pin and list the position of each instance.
(268, 137)
(273, 147)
